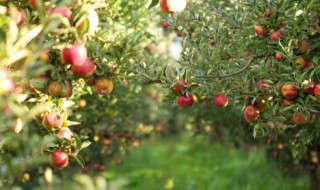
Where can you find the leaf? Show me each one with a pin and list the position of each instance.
(153, 3)
(71, 123)
(80, 160)
(85, 144)
(77, 141)
(67, 104)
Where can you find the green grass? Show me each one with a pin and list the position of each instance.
(195, 164)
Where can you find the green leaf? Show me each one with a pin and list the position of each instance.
(80, 160)
(85, 144)
(153, 3)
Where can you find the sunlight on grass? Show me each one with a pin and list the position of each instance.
(191, 164)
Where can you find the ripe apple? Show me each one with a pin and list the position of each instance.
(268, 12)
(286, 102)
(304, 46)
(104, 86)
(59, 159)
(85, 70)
(317, 91)
(308, 64)
(185, 101)
(278, 56)
(77, 54)
(220, 100)
(251, 113)
(179, 33)
(182, 85)
(90, 81)
(289, 91)
(89, 24)
(82, 102)
(173, 5)
(150, 47)
(52, 121)
(65, 11)
(21, 16)
(299, 119)
(33, 3)
(44, 56)
(262, 84)
(60, 88)
(165, 24)
(6, 85)
(260, 30)
(300, 61)
(310, 88)
(65, 133)
(275, 35)
(279, 146)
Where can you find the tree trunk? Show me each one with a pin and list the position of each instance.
(314, 170)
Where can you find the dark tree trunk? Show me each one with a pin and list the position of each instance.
(314, 169)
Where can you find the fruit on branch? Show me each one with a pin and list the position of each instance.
(308, 64)
(286, 102)
(82, 102)
(65, 133)
(33, 3)
(182, 85)
(316, 91)
(220, 100)
(21, 16)
(275, 36)
(300, 119)
(104, 86)
(278, 56)
(85, 70)
(310, 87)
(65, 11)
(185, 101)
(173, 5)
(89, 24)
(260, 29)
(76, 54)
(6, 85)
(165, 24)
(52, 122)
(300, 61)
(289, 91)
(251, 113)
(60, 89)
(304, 46)
(262, 84)
(59, 159)
(279, 146)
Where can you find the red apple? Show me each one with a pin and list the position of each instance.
(21, 16)
(85, 70)
(33, 3)
(59, 159)
(317, 91)
(262, 84)
(60, 88)
(65, 11)
(173, 5)
(279, 146)
(165, 24)
(77, 54)
(260, 30)
(220, 100)
(179, 33)
(52, 121)
(251, 113)
(286, 102)
(299, 119)
(308, 64)
(278, 56)
(275, 36)
(182, 85)
(310, 88)
(289, 91)
(104, 86)
(185, 101)
(65, 133)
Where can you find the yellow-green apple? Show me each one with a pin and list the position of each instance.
(59, 159)
(300, 61)
(104, 86)
(185, 101)
(220, 100)
(289, 91)
(77, 54)
(173, 5)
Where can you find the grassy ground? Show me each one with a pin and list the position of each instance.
(195, 164)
